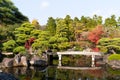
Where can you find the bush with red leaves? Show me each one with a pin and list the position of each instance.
(29, 42)
(95, 35)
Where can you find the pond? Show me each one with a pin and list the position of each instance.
(53, 73)
(73, 68)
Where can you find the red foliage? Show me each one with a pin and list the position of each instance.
(95, 35)
(27, 45)
(29, 42)
(95, 49)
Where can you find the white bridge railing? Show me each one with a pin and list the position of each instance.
(78, 53)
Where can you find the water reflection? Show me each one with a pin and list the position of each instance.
(52, 73)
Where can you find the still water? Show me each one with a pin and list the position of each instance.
(53, 73)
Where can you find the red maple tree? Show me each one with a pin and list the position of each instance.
(94, 36)
(29, 42)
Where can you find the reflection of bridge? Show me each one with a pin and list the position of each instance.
(92, 54)
(78, 68)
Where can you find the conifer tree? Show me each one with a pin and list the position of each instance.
(9, 13)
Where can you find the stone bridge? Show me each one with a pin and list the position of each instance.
(92, 54)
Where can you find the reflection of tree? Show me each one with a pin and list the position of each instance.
(28, 74)
(51, 73)
(96, 73)
(113, 72)
(79, 74)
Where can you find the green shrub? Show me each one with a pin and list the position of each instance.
(78, 48)
(114, 57)
(19, 49)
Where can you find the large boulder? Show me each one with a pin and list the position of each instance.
(20, 61)
(17, 60)
(39, 63)
(24, 61)
(7, 62)
(36, 61)
(114, 64)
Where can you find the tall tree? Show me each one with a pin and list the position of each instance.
(23, 33)
(111, 27)
(61, 28)
(51, 25)
(118, 22)
(111, 22)
(97, 20)
(36, 24)
(42, 43)
(87, 22)
(76, 19)
(9, 14)
(70, 27)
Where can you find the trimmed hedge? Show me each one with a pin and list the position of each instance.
(114, 57)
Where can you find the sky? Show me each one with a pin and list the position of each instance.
(43, 9)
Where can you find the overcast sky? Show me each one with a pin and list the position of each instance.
(42, 9)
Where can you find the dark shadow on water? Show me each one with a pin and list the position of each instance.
(7, 76)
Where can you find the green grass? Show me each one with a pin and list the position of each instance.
(114, 57)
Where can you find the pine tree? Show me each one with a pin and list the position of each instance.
(9, 14)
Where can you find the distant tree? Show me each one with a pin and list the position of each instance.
(62, 28)
(36, 24)
(9, 14)
(87, 22)
(76, 20)
(90, 23)
(68, 20)
(79, 28)
(51, 25)
(69, 23)
(97, 20)
(112, 32)
(64, 32)
(111, 22)
(112, 27)
(65, 28)
(118, 22)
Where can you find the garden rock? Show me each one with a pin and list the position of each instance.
(114, 64)
(7, 62)
(36, 61)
